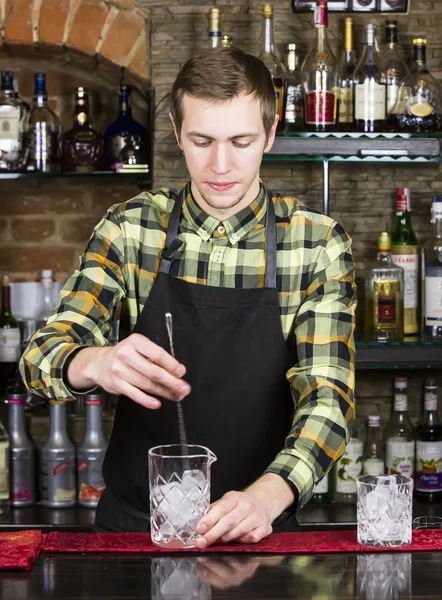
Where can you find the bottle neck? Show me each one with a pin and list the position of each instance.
(81, 114)
(384, 256)
(437, 227)
(125, 109)
(268, 35)
(420, 58)
(17, 421)
(94, 426)
(57, 419)
(6, 300)
(40, 99)
(349, 44)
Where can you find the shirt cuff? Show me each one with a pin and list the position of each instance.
(297, 471)
(59, 389)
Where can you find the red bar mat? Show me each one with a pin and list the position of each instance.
(306, 542)
(19, 549)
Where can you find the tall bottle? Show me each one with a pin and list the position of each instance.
(214, 28)
(47, 303)
(44, 130)
(428, 486)
(9, 338)
(370, 87)
(384, 296)
(4, 469)
(348, 469)
(13, 115)
(22, 449)
(346, 70)
(395, 71)
(57, 462)
(90, 453)
(399, 434)
(374, 463)
(433, 275)
(419, 95)
(322, 491)
(404, 252)
(294, 112)
(270, 58)
(320, 77)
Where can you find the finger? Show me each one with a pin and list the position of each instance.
(123, 372)
(149, 349)
(243, 528)
(256, 535)
(217, 510)
(223, 526)
(138, 396)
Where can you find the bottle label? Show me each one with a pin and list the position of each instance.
(57, 481)
(4, 469)
(279, 96)
(42, 143)
(322, 486)
(429, 466)
(392, 95)
(370, 101)
(9, 345)
(400, 402)
(419, 108)
(386, 296)
(433, 299)
(294, 112)
(321, 108)
(345, 105)
(400, 457)
(349, 468)
(90, 480)
(430, 401)
(374, 466)
(409, 262)
(9, 123)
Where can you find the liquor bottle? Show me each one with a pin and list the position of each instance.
(322, 491)
(346, 71)
(4, 469)
(13, 115)
(82, 146)
(294, 111)
(420, 95)
(125, 126)
(384, 296)
(22, 449)
(90, 453)
(374, 463)
(395, 71)
(47, 304)
(57, 461)
(404, 252)
(226, 41)
(320, 77)
(348, 469)
(370, 87)
(270, 59)
(428, 486)
(399, 434)
(214, 28)
(9, 338)
(432, 270)
(44, 130)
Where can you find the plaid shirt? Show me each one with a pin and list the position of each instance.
(315, 278)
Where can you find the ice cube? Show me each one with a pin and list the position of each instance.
(378, 499)
(194, 477)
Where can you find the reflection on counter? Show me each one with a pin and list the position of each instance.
(384, 576)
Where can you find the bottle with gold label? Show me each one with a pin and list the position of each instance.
(270, 58)
(214, 28)
(346, 87)
(226, 41)
(404, 252)
(384, 296)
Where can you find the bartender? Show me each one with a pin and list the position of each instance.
(262, 293)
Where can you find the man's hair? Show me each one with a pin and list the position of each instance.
(221, 74)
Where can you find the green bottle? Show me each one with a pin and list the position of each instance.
(404, 252)
(9, 338)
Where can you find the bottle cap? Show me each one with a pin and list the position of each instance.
(374, 421)
(5, 280)
(384, 242)
(419, 42)
(436, 207)
(400, 383)
(430, 383)
(390, 23)
(267, 10)
(46, 274)
(403, 202)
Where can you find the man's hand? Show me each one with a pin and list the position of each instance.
(225, 572)
(135, 367)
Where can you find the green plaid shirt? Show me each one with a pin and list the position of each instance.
(315, 278)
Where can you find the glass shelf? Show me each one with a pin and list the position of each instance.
(414, 353)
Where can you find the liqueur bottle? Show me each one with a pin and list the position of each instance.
(214, 28)
(384, 296)
(322, 491)
(9, 338)
(320, 77)
(13, 116)
(47, 304)
(270, 59)
(346, 71)
(404, 252)
(399, 434)
(347, 470)
(82, 146)
(428, 486)
(432, 269)
(294, 112)
(374, 448)
(395, 68)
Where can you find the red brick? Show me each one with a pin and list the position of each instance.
(87, 26)
(53, 16)
(35, 258)
(140, 62)
(77, 231)
(121, 36)
(32, 230)
(41, 202)
(18, 23)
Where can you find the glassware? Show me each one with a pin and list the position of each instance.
(427, 522)
(399, 434)
(294, 112)
(384, 510)
(395, 68)
(176, 577)
(346, 88)
(320, 76)
(370, 87)
(179, 480)
(9, 338)
(13, 116)
(348, 469)
(374, 448)
(214, 28)
(271, 60)
(384, 576)
(432, 269)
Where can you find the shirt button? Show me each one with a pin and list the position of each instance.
(218, 257)
(234, 236)
(221, 229)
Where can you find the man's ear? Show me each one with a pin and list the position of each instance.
(175, 131)
(272, 134)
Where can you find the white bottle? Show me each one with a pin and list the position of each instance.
(374, 449)
(348, 469)
(47, 304)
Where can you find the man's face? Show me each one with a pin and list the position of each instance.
(223, 144)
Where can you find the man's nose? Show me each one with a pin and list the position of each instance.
(220, 159)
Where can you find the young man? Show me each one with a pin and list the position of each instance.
(262, 294)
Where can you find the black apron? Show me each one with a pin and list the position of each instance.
(232, 344)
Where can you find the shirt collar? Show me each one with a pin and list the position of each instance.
(236, 226)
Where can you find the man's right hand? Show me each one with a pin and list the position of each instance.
(135, 367)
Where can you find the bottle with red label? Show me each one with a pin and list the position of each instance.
(90, 453)
(57, 461)
(320, 77)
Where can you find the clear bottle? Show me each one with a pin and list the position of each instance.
(405, 253)
(346, 87)
(395, 67)
(47, 304)
(294, 111)
(9, 338)
(271, 60)
(44, 131)
(428, 480)
(419, 95)
(214, 28)
(374, 463)
(320, 77)
(13, 116)
(57, 462)
(90, 453)
(348, 469)
(22, 451)
(399, 435)
(432, 269)
(4, 469)
(384, 296)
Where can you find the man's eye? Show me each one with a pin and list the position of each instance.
(238, 145)
(202, 144)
